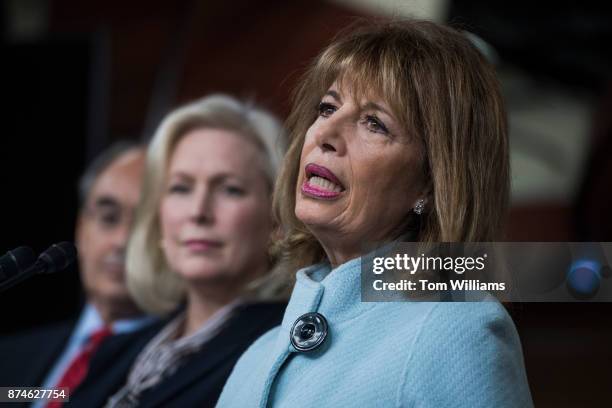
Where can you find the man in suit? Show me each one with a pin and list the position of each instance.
(58, 355)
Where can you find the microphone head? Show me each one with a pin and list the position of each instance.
(58, 256)
(16, 261)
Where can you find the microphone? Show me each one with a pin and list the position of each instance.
(16, 261)
(57, 257)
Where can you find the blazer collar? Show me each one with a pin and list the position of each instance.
(54, 341)
(247, 323)
(336, 294)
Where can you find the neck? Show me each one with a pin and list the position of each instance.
(337, 256)
(341, 248)
(111, 311)
(205, 299)
(201, 306)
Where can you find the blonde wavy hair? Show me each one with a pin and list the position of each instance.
(444, 93)
(155, 288)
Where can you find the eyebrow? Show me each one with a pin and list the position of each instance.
(375, 106)
(106, 201)
(334, 95)
(367, 105)
(181, 175)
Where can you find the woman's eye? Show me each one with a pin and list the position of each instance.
(178, 188)
(375, 125)
(326, 109)
(234, 191)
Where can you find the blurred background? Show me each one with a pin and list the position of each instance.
(78, 75)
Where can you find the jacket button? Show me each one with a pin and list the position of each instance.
(308, 332)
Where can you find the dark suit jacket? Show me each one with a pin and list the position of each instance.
(198, 381)
(26, 358)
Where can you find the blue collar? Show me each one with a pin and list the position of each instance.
(336, 294)
(90, 321)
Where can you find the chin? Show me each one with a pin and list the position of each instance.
(115, 293)
(201, 274)
(310, 214)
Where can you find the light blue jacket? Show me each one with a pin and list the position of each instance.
(406, 354)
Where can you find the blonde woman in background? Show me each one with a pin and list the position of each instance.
(200, 240)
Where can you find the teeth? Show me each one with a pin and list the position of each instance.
(325, 184)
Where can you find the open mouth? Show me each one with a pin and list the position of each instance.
(321, 182)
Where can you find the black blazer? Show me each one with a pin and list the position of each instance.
(198, 382)
(26, 358)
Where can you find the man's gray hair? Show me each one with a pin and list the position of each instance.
(100, 163)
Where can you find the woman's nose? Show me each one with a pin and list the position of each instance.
(203, 208)
(331, 134)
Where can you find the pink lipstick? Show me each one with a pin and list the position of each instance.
(201, 245)
(321, 183)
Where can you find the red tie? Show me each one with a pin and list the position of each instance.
(77, 370)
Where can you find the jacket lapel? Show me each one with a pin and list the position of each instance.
(111, 364)
(54, 342)
(248, 322)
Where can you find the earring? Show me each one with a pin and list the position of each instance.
(419, 206)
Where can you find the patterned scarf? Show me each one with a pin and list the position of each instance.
(165, 353)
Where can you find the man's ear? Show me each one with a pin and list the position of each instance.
(79, 230)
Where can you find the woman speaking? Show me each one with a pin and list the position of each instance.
(397, 130)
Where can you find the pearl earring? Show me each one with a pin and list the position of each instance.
(419, 206)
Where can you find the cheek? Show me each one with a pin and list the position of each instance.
(170, 218)
(170, 222)
(82, 240)
(170, 227)
(248, 223)
(92, 243)
(385, 184)
(308, 146)
(306, 149)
